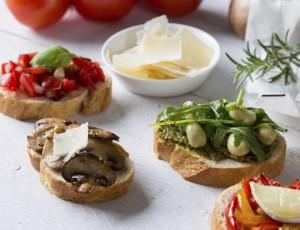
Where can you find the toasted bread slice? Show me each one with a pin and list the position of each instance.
(200, 170)
(217, 218)
(35, 157)
(82, 101)
(56, 184)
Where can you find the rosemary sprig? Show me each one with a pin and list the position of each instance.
(279, 57)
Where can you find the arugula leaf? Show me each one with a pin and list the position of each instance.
(217, 124)
(248, 134)
(262, 119)
(218, 139)
(219, 108)
(53, 57)
(186, 111)
(240, 133)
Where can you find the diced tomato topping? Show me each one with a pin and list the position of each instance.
(24, 59)
(81, 62)
(69, 85)
(8, 67)
(45, 81)
(14, 83)
(38, 81)
(26, 83)
(85, 78)
(55, 84)
(72, 72)
(35, 70)
(99, 73)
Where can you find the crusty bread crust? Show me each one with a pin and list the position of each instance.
(83, 101)
(217, 218)
(57, 185)
(35, 157)
(224, 173)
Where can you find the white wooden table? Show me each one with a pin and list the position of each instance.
(158, 198)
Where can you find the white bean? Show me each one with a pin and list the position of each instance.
(247, 117)
(240, 150)
(195, 135)
(266, 135)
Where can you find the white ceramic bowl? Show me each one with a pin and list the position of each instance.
(126, 39)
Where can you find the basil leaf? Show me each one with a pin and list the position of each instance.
(52, 58)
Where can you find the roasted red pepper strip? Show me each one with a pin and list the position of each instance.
(231, 222)
(295, 185)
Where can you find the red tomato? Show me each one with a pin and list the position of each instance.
(174, 7)
(35, 70)
(26, 82)
(8, 67)
(103, 10)
(69, 85)
(24, 59)
(38, 13)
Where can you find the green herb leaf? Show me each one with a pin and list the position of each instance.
(238, 104)
(219, 137)
(219, 108)
(52, 58)
(280, 58)
(217, 124)
(262, 119)
(248, 134)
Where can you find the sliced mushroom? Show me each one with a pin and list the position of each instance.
(102, 134)
(108, 153)
(87, 168)
(46, 121)
(45, 128)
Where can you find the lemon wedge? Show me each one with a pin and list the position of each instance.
(281, 204)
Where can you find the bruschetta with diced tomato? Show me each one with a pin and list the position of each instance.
(53, 83)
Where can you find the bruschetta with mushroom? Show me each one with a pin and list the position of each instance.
(79, 163)
(53, 83)
(249, 205)
(219, 143)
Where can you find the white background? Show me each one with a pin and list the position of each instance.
(158, 198)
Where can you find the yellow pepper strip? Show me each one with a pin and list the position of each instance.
(249, 219)
(245, 214)
(244, 203)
